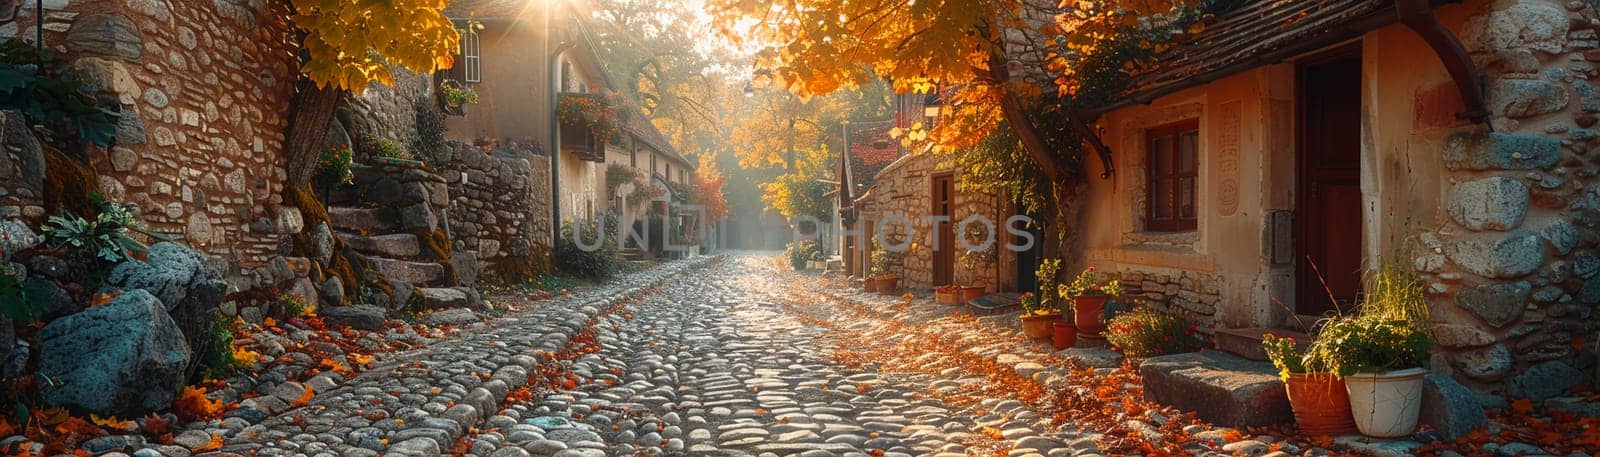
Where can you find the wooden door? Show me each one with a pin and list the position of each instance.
(944, 250)
(1328, 183)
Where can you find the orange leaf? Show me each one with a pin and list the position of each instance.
(216, 443)
(156, 426)
(192, 405)
(101, 299)
(1522, 406)
(305, 398)
(111, 423)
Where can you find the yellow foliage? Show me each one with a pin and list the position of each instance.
(245, 357)
(352, 43)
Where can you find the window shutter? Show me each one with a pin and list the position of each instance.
(458, 66)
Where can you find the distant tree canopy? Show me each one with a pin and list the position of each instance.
(351, 44)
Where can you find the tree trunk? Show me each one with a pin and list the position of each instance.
(1066, 182)
(310, 114)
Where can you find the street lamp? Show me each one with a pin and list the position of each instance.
(749, 90)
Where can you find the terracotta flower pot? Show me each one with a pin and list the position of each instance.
(1038, 326)
(1063, 335)
(889, 285)
(1086, 312)
(970, 292)
(870, 284)
(947, 297)
(1321, 404)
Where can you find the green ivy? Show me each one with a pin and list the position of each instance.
(597, 263)
(49, 94)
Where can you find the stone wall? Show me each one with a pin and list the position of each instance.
(1515, 271)
(1192, 295)
(903, 190)
(204, 88)
(499, 204)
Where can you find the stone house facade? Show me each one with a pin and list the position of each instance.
(1235, 189)
(204, 89)
(911, 187)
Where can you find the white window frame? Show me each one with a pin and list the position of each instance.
(471, 57)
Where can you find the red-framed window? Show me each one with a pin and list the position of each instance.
(1173, 176)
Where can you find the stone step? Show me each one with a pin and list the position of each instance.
(450, 297)
(1221, 388)
(361, 220)
(418, 273)
(394, 246)
(1246, 342)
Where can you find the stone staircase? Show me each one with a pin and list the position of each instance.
(385, 227)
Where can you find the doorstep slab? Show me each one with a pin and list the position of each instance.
(1221, 388)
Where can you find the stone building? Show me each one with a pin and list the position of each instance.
(204, 90)
(1257, 162)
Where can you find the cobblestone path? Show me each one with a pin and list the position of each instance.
(703, 359)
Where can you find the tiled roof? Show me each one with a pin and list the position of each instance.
(1254, 33)
(871, 148)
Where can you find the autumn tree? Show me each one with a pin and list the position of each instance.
(800, 192)
(346, 46)
(1017, 63)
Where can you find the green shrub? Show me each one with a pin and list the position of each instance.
(386, 148)
(1050, 299)
(293, 305)
(333, 168)
(1145, 332)
(598, 260)
(1369, 344)
(105, 238)
(216, 358)
(51, 95)
(801, 251)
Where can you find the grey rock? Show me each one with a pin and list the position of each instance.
(1450, 407)
(457, 316)
(181, 279)
(1496, 256)
(1477, 150)
(1458, 336)
(332, 291)
(21, 155)
(1494, 203)
(17, 237)
(124, 358)
(1575, 406)
(418, 217)
(1561, 234)
(364, 317)
(1496, 304)
(130, 128)
(1545, 380)
(106, 34)
(53, 302)
(1517, 98)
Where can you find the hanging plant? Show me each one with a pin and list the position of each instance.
(597, 111)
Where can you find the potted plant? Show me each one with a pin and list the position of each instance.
(456, 97)
(1317, 396)
(1036, 318)
(1089, 301)
(1382, 352)
(1063, 334)
(972, 261)
(884, 264)
(949, 294)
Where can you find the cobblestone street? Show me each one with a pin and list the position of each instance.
(705, 359)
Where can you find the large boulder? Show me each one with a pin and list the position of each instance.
(1545, 380)
(1220, 388)
(125, 358)
(178, 276)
